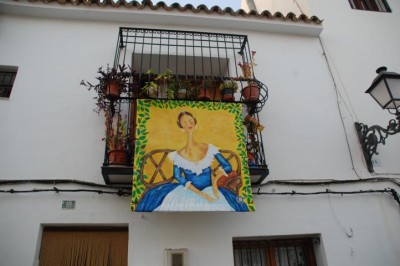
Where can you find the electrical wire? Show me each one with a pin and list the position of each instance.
(390, 191)
(120, 192)
(58, 181)
(123, 191)
(338, 96)
(309, 182)
(350, 109)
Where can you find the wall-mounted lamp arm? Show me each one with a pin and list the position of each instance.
(370, 137)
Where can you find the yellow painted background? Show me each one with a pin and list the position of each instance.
(213, 127)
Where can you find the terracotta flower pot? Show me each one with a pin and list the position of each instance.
(251, 93)
(112, 89)
(204, 94)
(117, 157)
(227, 95)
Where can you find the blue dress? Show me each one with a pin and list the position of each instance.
(177, 197)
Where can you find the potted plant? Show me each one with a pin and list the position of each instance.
(116, 139)
(251, 92)
(204, 92)
(112, 82)
(253, 146)
(228, 89)
(159, 86)
(163, 79)
(151, 88)
(172, 90)
(184, 90)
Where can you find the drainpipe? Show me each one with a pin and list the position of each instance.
(251, 5)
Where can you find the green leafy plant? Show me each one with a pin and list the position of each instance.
(160, 84)
(230, 84)
(164, 77)
(151, 88)
(228, 89)
(172, 90)
(186, 90)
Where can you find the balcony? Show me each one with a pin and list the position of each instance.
(178, 66)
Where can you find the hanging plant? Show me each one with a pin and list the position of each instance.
(111, 83)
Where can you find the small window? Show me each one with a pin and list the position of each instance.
(275, 252)
(372, 5)
(176, 257)
(7, 77)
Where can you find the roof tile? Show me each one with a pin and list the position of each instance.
(188, 7)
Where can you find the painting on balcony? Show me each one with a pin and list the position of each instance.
(190, 156)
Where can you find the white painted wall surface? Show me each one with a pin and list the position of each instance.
(356, 43)
(49, 131)
(374, 221)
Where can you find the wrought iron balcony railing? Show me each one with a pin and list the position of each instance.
(183, 65)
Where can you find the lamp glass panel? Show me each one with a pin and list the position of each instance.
(396, 104)
(381, 94)
(394, 86)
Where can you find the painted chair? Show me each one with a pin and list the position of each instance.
(157, 158)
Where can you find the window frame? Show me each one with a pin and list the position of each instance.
(268, 251)
(371, 5)
(8, 75)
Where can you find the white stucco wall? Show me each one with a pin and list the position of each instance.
(373, 221)
(356, 43)
(49, 131)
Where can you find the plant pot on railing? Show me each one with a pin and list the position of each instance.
(227, 95)
(207, 87)
(181, 94)
(151, 89)
(117, 157)
(228, 89)
(204, 94)
(251, 93)
(112, 89)
(185, 90)
(111, 83)
(117, 139)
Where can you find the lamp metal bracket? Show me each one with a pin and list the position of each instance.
(370, 137)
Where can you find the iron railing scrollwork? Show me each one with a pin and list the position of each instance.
(370, 137)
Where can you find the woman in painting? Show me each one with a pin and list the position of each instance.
(196, 189)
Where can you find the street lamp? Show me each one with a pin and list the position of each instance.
(385, 89)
